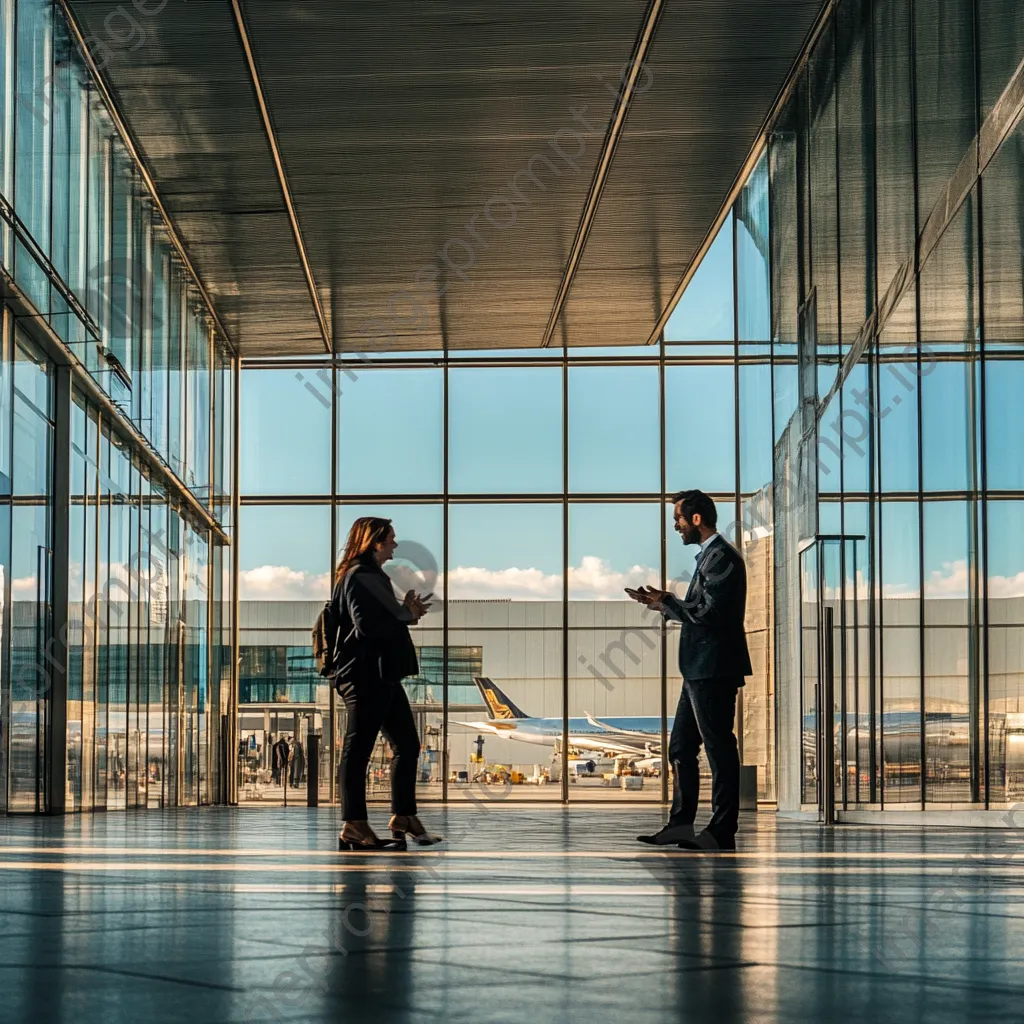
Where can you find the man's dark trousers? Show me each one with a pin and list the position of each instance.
(706, 711)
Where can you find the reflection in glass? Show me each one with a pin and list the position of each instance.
(1006, 715)
(753, 257)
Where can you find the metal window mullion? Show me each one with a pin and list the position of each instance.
(565, 565)
(332, 696)
(445, 625)
(980, 450)
(920, 457)
(663, 531)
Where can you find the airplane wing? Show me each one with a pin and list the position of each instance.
(650, 740)
(500, 728)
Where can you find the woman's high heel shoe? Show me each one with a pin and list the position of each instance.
(369, 842)
(408, 826)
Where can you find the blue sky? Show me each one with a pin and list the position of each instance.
(505, 436)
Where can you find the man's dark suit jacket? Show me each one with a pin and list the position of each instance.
(713, 642)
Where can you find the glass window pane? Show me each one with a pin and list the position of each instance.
(615, 706)
(898, 393)
(33, 108)
(1004, 237)
(516, 717)
(755, 426)
(406, 411)
(753, 256)
(285, 432)
(1004, 415)
(614, 437)
(947, 567)
(856, 431)
(285, 553)
(611, 547)
(1006, 716)
(507, 552)
(705, 310)
(950, 774)
(901, 714)
(900, 565)
(1005, 562)
(419, 558)
(700, 428)
(505, 430)
(948, 401)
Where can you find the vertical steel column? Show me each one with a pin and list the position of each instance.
(826, 677)
(56, 660)
(332, 695)
(982, 456)
(920, 453)
(445, 760)
(663, 529)
(737, 451)
(565, 564)
(236, 656)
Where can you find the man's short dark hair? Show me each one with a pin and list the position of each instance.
(697, 502)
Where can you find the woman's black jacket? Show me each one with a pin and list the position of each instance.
(365, 599)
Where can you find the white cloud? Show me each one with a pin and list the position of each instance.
(471, 583)
(279, 583)
(592, 580)
(595, 580)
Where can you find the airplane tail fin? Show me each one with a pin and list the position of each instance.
(497, 703)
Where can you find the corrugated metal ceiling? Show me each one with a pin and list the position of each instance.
(407, 131)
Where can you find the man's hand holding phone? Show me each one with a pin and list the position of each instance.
(650, 596)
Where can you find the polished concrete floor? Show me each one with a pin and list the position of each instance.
(526, 914)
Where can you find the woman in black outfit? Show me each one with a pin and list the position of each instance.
(371, 686)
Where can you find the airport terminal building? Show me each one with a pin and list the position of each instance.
(229, 330)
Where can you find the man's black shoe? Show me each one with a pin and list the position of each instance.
(705, 842)
(670, 835)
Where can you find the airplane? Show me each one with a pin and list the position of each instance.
(636, 736)
(639, 736)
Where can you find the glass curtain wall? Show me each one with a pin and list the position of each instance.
(524, 503)
(897, 313)
(93, 276)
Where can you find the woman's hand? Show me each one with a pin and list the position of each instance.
(417, 605)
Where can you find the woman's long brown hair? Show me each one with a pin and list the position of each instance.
(364, 534)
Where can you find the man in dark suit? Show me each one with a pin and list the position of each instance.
(713, 660)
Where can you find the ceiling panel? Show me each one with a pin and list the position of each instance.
(714, 70)
(433, 146)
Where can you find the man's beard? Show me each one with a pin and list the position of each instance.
(691, 535)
